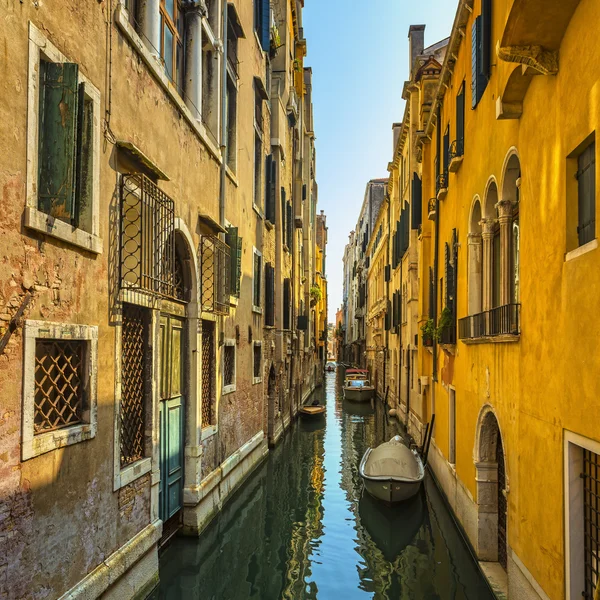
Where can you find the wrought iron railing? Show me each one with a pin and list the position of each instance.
(456, 149)
(431, 208)
(147, 249)
(503, 320)
(448, 335)
(441, 182)
(215, 275)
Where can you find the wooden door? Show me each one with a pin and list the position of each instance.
(172, 416)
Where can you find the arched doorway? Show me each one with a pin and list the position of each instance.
(492, 486)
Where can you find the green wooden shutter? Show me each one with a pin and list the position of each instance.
(265, 23)
(57, 137)
(82, 216)
(417, 201)
(460, 121)
(474, 61)
(231, 238)
(270, 189)
(238, 275)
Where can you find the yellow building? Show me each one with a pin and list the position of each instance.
(509, 273)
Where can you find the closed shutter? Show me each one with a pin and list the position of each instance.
(486, 38)
(270, 189)
(387, 273)
(269, 295)
(289, 225)
(475, 61)
(394, 252)
(460, 121)
(257, 279)
(235, 260)
(57, 139)
(586, 176)
(417, 201)
(388, 315)
(446, 149)
(265, 22)
(286, 304)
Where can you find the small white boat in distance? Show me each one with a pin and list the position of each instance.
(392, 472)
(358, 390)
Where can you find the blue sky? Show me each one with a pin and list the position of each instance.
(359, 55)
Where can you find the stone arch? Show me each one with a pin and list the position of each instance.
(492, 488)
(185, 244)
(491, 247)
(490, 199)
(510, 226)
(475, 258)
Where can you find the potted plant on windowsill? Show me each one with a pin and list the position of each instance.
(315, 295)
(428, 333)
(444, 325)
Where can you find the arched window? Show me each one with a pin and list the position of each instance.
(492, 250)
(475, 258)
(510, 201)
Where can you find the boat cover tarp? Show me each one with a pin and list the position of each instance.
(393, 459)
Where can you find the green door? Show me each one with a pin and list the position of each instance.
(172, 416)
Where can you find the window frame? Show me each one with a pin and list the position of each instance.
(257, 344)
(171, 23)
(257, 308)
(32, 444)
(228, 389)
(40, 48)
(591, 199)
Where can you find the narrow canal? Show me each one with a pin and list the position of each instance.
(302, 528)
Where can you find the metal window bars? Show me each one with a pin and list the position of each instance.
(228, 365)
(503, 320)
(147, 251)
(135, 381)
(60, 392)
(215, 275)
(456, 149)
(257, 360)
(208, 373)
(591, 522)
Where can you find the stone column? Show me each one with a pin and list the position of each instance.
(193, 68)
(150, 25)
(487, 228)
(505, 210)
(475, 304)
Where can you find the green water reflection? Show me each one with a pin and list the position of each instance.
(301, 528)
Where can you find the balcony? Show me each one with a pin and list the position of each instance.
(431, 209)
(455, 155)
(501, 321)
(447, 335)
(441, 186)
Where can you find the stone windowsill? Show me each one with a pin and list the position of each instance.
(573, 254)
(493, 339)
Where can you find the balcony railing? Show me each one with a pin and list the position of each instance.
(448, 335)
(503, 320)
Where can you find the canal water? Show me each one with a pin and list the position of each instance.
(302, 528)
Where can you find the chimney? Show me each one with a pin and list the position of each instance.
(416, 43)
(396, 127)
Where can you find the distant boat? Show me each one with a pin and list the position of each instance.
(312, 410)
(330, 367)
(392, 472)
(358, 390)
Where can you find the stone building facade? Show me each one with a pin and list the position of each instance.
(158, 242)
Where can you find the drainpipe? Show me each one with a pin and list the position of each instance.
(223, 120)
(387, 294)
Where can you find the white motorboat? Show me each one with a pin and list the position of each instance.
(358, 390)
(392, 472)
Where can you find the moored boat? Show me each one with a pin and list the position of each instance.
(358, 390)
(392, 472)
(312, 410)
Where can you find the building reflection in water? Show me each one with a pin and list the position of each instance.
(301, 528)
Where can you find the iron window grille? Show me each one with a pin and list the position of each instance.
(591, 522)
(456, 149)
(228, 365)
(257, 280)
(60, 384)
(208, 373)
(147, 253)
(503, 320)
(215, 275)
(135, 382)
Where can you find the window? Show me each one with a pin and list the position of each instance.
(132, 10)
(229, 370)
(235, 260)
(287, 304)
(262, 15)
(270, 176)
(258, 158)
(515, 254)
(231, 115)
(452, 425)
(59, 396)
(481, 52)
(209, 416)
(496, 267)
(210, 90)
(289, 226)
(63, 175)
(586, 188)
(171, 40)
(257, 362)
(215, 274)
(269, 295)
(256, 281)
(459, 148)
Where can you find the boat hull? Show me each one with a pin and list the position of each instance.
(391, 491)
(359, 394)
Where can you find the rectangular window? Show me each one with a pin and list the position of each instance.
(135, 382)
(269, 295)
(171, 40)
(287, 304)
(270, 180)
(231, 115)
(256, 280)
(229, 366)
(479, 78)
(258, 159)
(209, 416)
(257, 362)
(586, 188)
(60, 384)
(460, 122)
(452, 425)
(235, 260)
(262, 15)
